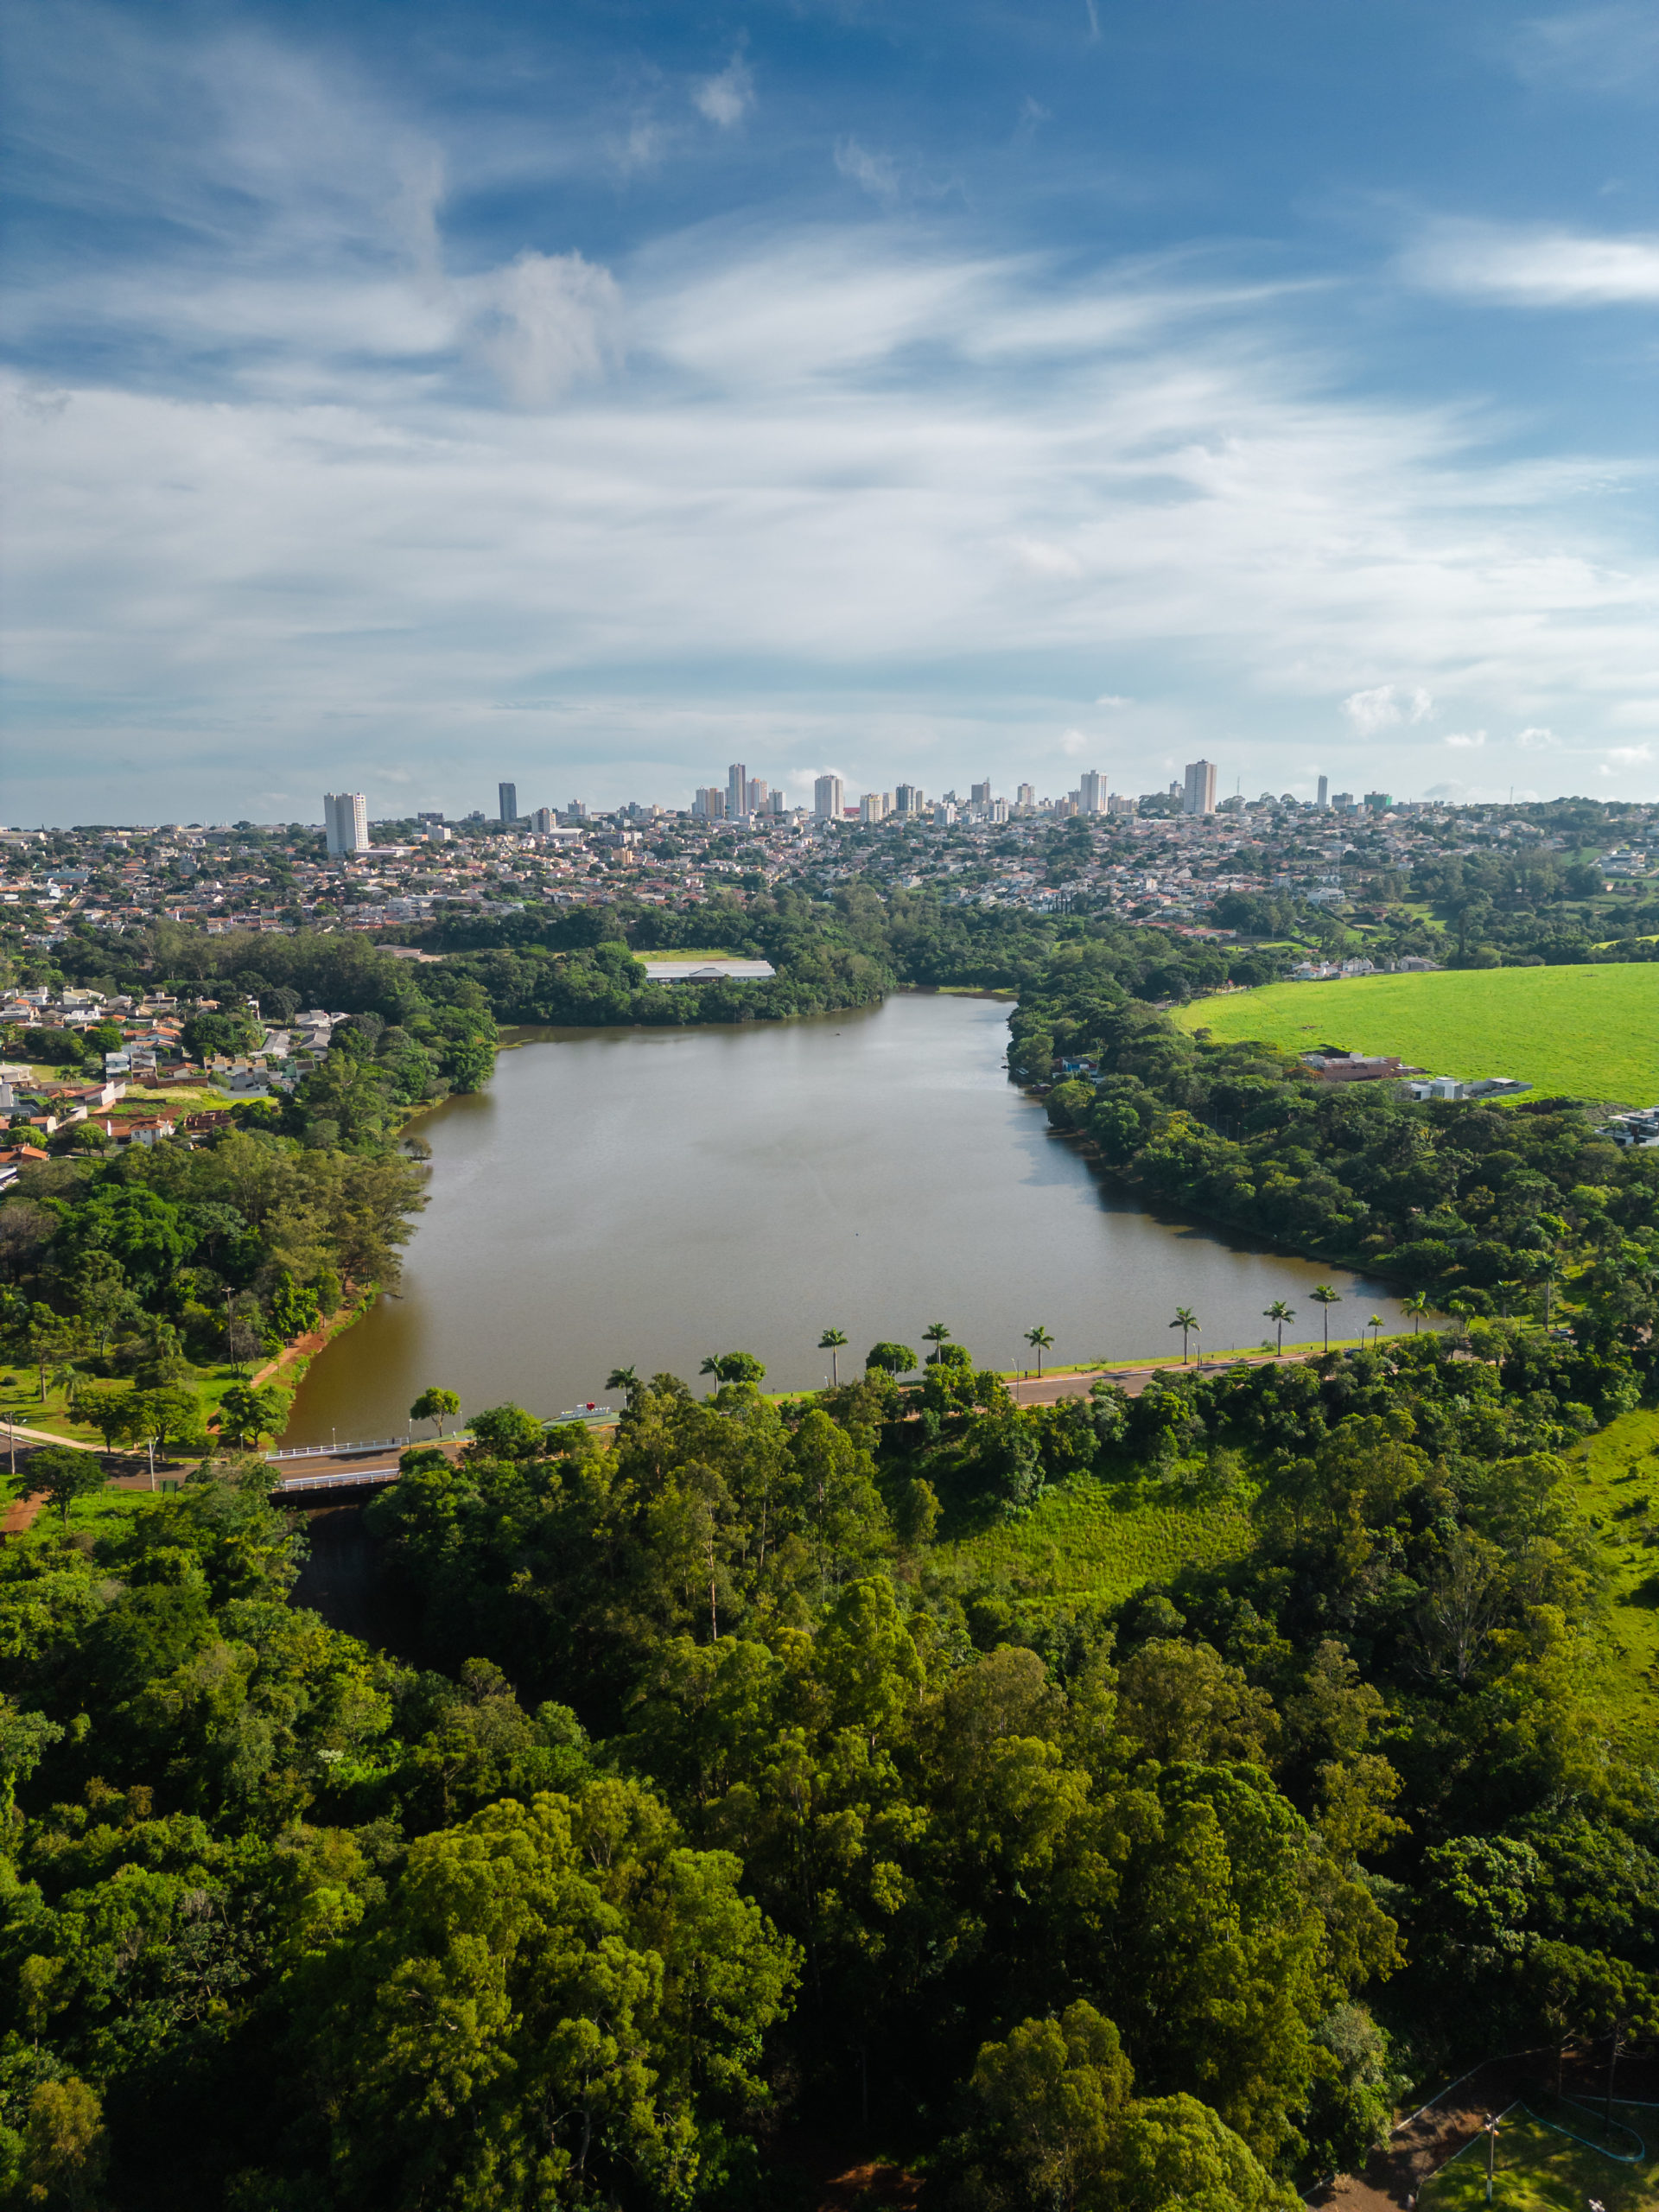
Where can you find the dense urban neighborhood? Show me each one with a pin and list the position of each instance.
(1262, 867)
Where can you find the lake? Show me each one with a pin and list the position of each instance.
(645, 1198)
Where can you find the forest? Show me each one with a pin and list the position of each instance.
(704, 1796)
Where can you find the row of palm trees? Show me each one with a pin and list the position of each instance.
(1280, 1314)
(833, 1341)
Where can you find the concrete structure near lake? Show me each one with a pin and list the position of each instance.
(669, 970)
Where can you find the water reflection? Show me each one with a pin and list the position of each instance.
(645, 1198)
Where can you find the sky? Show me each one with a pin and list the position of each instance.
(401, 398)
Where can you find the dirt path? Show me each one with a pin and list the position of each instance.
(1421, 2145)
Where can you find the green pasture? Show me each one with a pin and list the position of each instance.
(1539, 2168)
(1097, 1540)
(1615, 1476)
(1592, 1031)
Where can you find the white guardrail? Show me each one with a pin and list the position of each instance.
(590, 1411)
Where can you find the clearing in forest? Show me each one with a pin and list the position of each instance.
(1590, 1032)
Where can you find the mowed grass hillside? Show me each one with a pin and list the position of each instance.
(1592, 1032)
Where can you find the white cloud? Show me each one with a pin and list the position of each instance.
(726, 99)
(1074, 744)
(864, 454)
(1537, 739)
(1040, 558)
(1629, 756)
(546, 322)
(1601, 49)
(1386, 705)
(876, 174)
(1534, 266)
(1469, 741)
(1113, 699)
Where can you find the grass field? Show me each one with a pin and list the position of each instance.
(1539, 2169)
(1615, 1484)
(1095, 1539)
(1090, 1540)
(1591, 1032)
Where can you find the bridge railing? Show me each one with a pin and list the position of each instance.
(586, 1413)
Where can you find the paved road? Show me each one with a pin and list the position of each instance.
(1052, 1388)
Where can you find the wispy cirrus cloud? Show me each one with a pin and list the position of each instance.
(1534, 265)
(321, 458)
(874, 173)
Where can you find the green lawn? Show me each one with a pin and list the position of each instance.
(1104, 1540)
(1615, 1484)
(1538, 2169)
(1094, 1540)
(1591, 1032)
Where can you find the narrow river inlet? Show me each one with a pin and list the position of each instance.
(645, 1198)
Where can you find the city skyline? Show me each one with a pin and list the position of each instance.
(577, 402)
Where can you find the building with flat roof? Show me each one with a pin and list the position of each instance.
(827, 798)
(1198, 792)
(507, 801)
(346, 822)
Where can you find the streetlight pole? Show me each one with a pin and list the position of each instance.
(1491, 2125)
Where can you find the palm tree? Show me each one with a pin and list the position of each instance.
(1187, 1322)
(831, 1341)
(1325, 1298)
(936, 1333)
(1376, 1324)
(1546, 1269)
(621, 1378)
(1278, 1314)
(1040, 1338)
(711, 1366)
(1417, 1307)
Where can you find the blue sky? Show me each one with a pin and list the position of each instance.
(404, 398)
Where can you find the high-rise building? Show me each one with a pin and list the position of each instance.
(542, 821)
(1120, 802)
(429, 817)
(1093, 790)
(755, 796)
(945, 813)
(507, 794)
(737, 790)
(1199, 796)
(345, 819)
(576, 811)
(907, 799)
(1026, 795)
(827, 800)
(980, 794)
(1323, 798)
(708, 805)
(874, 806)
